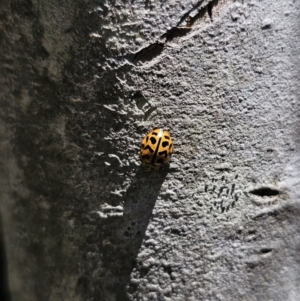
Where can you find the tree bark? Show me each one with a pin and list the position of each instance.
(82, 82)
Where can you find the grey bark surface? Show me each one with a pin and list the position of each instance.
(82, 82)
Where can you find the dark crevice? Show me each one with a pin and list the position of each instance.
(200, 14)
(149, 53)
(153, 50)
(266, 250)
(175, 231)
(265, 192)
(187, 14)
(4, 285)
(175, 32)
(209, 10)
(190, 21)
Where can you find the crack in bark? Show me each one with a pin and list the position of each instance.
(196, 7)
(153, 50)
(149, 53)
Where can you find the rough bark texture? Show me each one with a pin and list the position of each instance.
(82, 81)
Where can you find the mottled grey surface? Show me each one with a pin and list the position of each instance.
(82, 81)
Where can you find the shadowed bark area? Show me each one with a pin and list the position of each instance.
(4, 285)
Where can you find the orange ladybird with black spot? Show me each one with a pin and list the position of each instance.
(156, 149)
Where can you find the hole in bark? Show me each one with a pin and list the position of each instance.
(266, 250)
(168, 269)
(265, 192)
(139, 99)
(266, 26)
(175, 231)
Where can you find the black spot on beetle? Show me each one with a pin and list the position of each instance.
(170, 145)
(165, 144)
(149, 148)
(167, 137)
(153, 140)
(165, 153)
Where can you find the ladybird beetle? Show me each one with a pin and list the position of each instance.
(156, 149)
